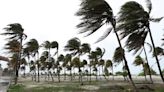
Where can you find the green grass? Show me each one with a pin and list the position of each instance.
(77, 88)
(16, 88)
(21, 88)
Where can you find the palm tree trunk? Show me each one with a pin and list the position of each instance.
(38, 69)
(148, 65)
(102, 70)
(144, 71)
(90, 74)
(71, 73)
(159, 67)
(112, 72)
(64, 74)
(125, 61)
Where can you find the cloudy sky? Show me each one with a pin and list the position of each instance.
(55, 20)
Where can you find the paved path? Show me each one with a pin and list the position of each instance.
(4, 83)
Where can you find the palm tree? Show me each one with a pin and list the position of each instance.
(139, 61)
(74, 46)
(61, 59)
(68, 58)
(134, 19)
(77, 64)
(15, 32)
(51, 45)
(33, 48)
(33, 69)
(96, 13)
(136, 42)
(101, 63)
(93, 61)
(23, 64)
(109, 64)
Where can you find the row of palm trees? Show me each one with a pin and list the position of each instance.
(132, 23)
(47, 63)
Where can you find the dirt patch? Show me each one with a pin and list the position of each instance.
(90, 87)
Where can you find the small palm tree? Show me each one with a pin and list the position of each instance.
(101, 63)
(68, 58)
(139, 61)
(109, 64)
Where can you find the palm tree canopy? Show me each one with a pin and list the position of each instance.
(136, 41)
(132, 18)
(118, 55)
(73, 45)
(159, 51)
(76, 62)
(61, 57)
(12, 46)
(54, 44)
(45, 54)
(99, 52)
(101, 62)
(138, 61)
(108, 63)
(46, 44)
(94, 14)
(15, 31)
(33, 46)
(85, 48)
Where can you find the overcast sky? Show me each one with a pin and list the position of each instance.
(55, 20)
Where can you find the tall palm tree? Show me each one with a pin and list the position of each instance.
(15, 32)
(96, 13)
(134, 19)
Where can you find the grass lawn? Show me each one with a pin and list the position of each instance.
(73, 87)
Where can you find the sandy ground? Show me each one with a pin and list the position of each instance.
(118, 81)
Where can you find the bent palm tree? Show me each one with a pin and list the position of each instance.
(96, 13)
(134, 19)
(15, 32)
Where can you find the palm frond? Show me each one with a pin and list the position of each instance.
(150, 46)
(156, 19)
(118, 55)
(132, 18)
(94, 14)
(104, 35)
(149, 5)
(159, 51)
(136, 41)
(138, 61)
